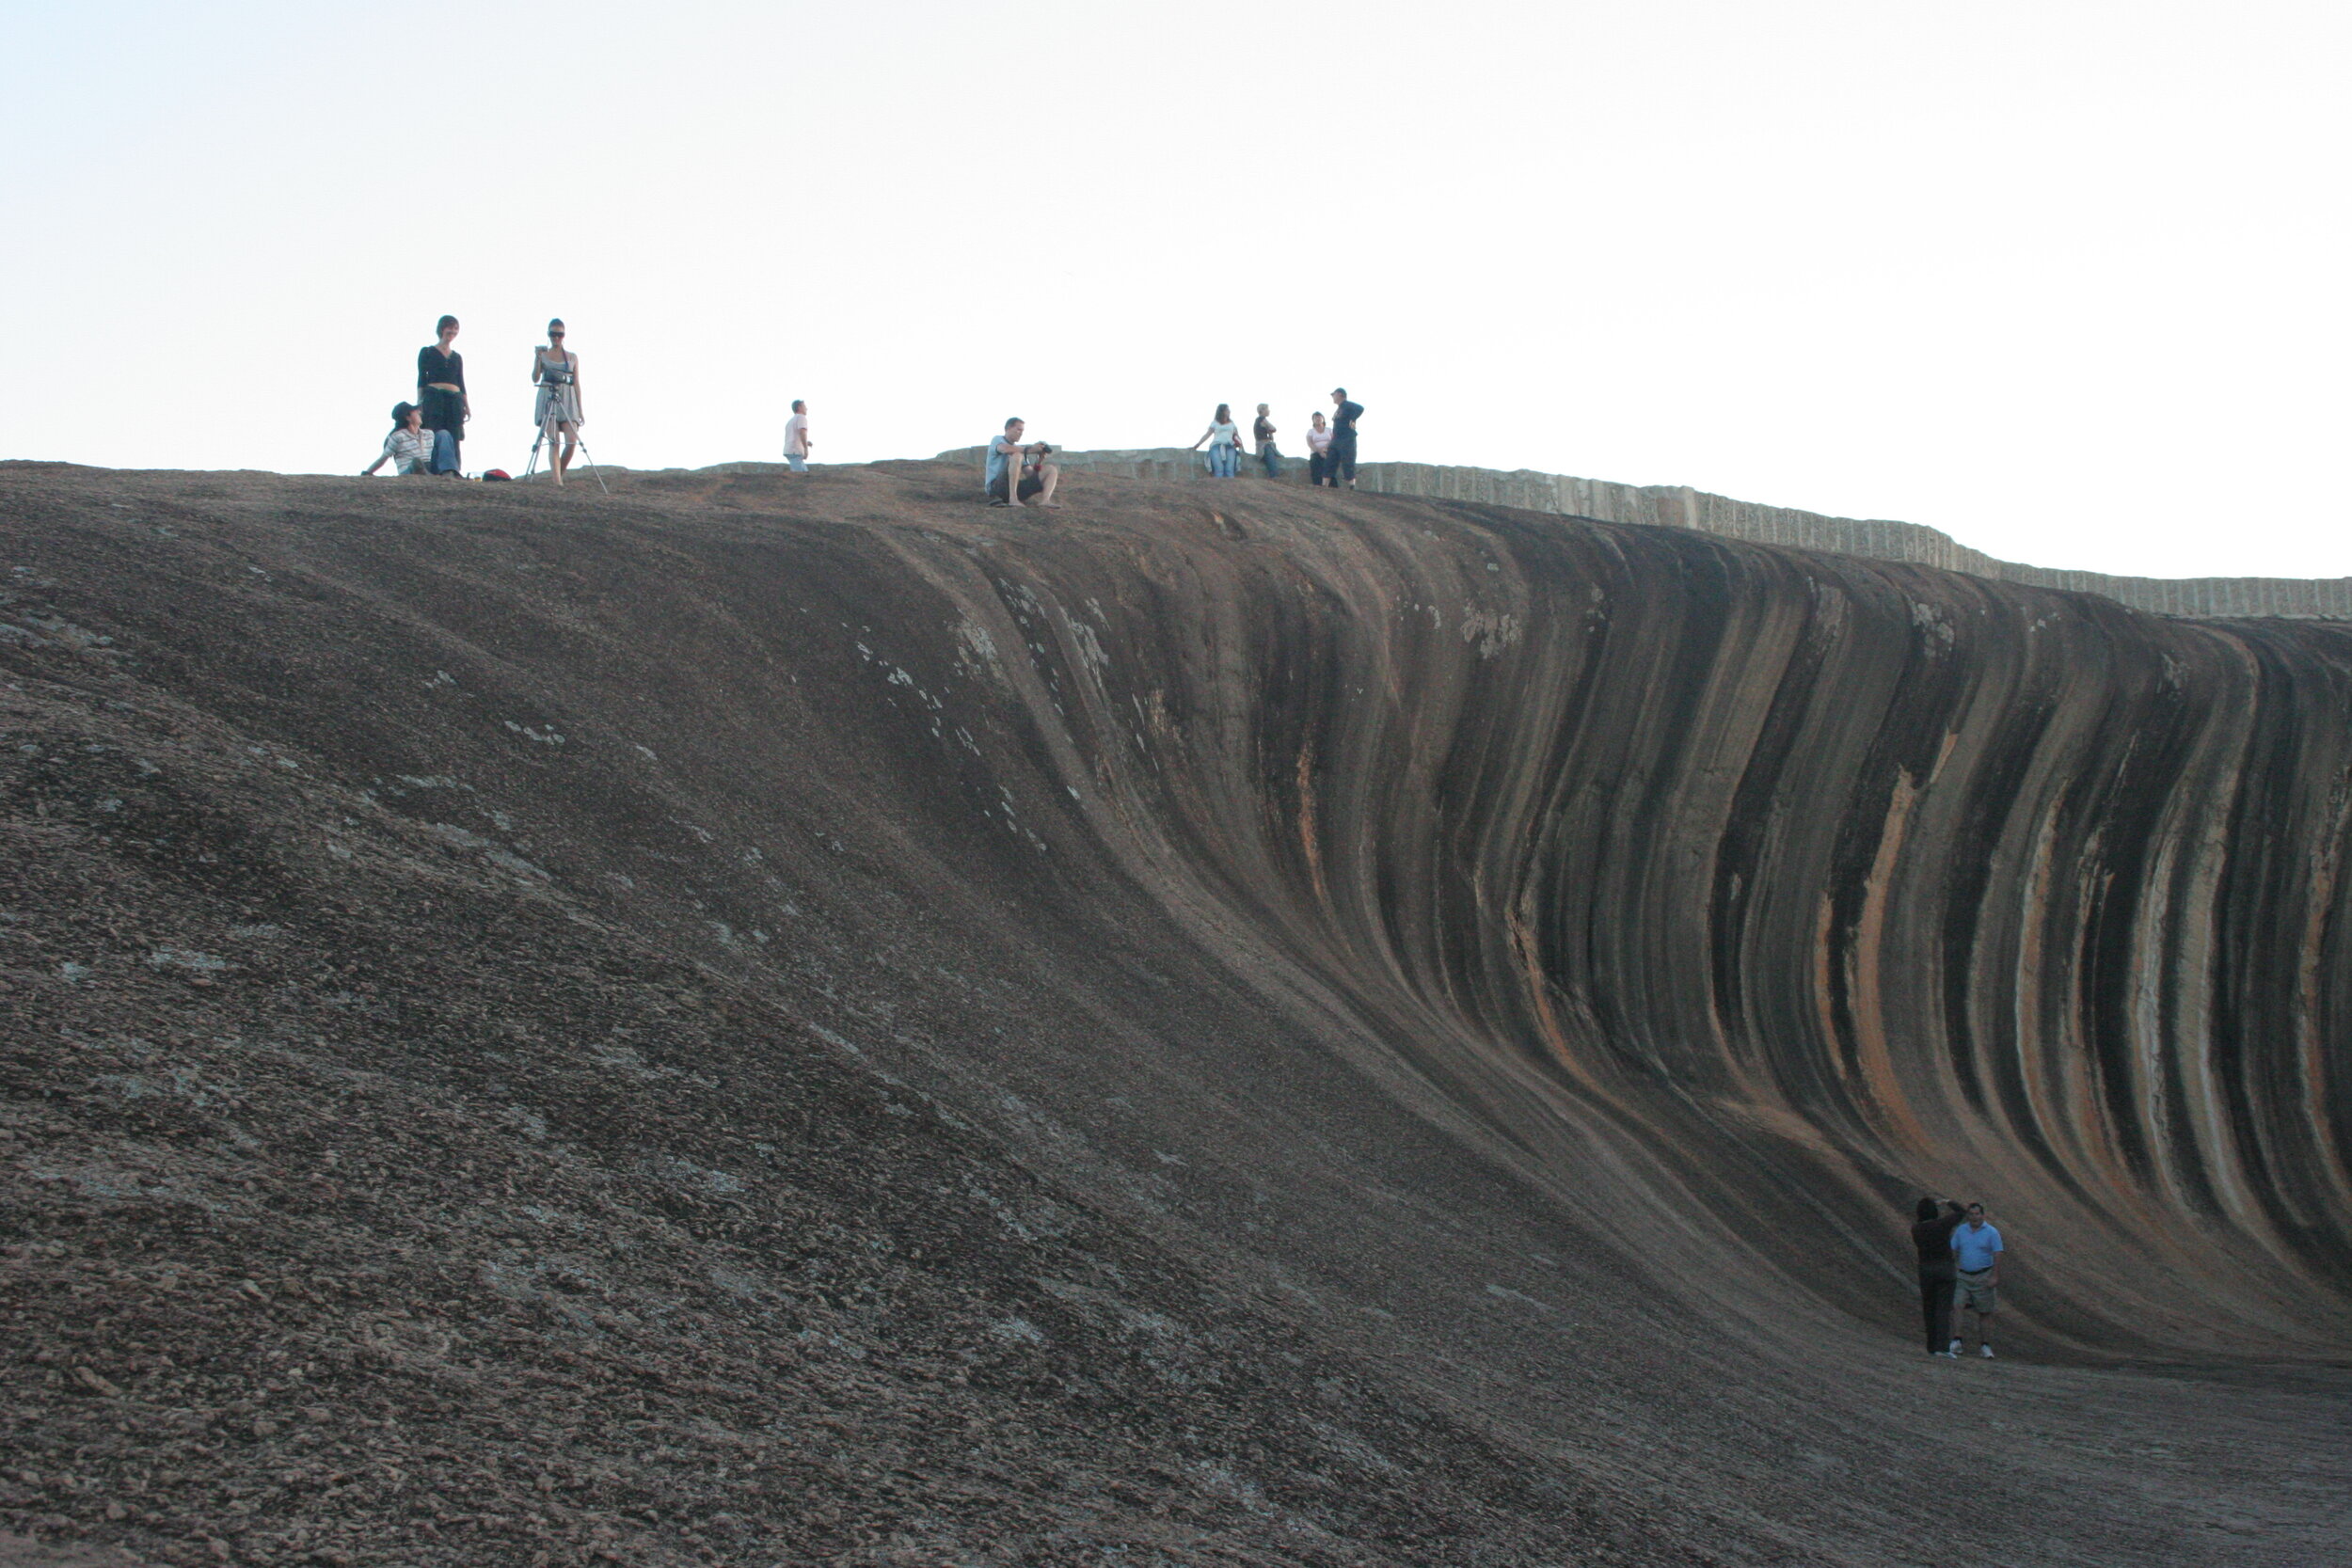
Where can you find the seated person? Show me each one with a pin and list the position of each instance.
(1017, 473)
(409, 448)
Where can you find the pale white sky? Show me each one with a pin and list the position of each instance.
(2065, 279)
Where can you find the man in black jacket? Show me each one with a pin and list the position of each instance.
(1933, 1239)
(1343, 454)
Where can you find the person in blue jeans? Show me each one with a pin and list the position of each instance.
(796, 441)
(1263, 432)
(1977, 1253)
(1224, 439)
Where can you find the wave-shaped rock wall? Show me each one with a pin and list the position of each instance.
(1727, 896)
(1813, 881)
(749, 1018)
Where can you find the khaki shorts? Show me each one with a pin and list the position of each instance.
(1975, 1292)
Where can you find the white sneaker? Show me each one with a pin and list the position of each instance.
(1986, 1351)
(1954, 1351)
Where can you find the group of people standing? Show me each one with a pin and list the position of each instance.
(1330, 445)
(1016, 471)
(428, 435)
(1959, 1273)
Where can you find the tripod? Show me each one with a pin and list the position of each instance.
(548, 436)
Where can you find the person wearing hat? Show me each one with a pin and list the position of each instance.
(409, 448)
(1343, 438)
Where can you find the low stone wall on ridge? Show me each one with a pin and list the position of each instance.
(1680, 506)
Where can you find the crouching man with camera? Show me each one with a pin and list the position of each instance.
(1017, 473)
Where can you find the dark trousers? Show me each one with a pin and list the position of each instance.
(1272, 459)
(1318, 469)
(1935, 1306)
(445, 415)
(1343, 462)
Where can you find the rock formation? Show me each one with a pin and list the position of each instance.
(754, 1020)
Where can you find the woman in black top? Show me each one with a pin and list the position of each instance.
(442, 393)
(1932, 1237)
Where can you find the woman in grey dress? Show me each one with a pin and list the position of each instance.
(555, 370)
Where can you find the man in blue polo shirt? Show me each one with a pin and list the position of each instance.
(1015, 473)
(1977, 1253)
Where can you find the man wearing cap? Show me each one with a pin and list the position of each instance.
(1342, 453)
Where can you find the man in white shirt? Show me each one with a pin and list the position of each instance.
(796, 438)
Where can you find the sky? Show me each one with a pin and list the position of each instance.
(2064, 279)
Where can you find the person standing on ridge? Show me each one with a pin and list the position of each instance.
(796, 438)
(1015, 472)
(1318, 451)
(441, 395)
(1931, 1238)
(555, 370)
(1343, 438)
(1224, 439)
(1262, 432)
(1977, 1249)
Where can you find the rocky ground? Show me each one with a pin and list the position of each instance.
(544, 1029)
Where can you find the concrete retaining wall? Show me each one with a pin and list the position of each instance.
(1680, 506)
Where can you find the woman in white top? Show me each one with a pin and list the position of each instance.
(1224, 439)
(409, 448)
(555, 370)
(1319, 453)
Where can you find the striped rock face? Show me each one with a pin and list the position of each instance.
(1805, 882)
(751, 1018)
